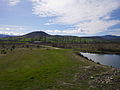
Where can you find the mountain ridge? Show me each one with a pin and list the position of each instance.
(43, 36)
(42, 33)
(35, 34)
(4, 35)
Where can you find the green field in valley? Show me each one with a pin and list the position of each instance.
(47, 69)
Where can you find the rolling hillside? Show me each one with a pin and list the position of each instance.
(112, 38)
(42, 36)
(52, 39)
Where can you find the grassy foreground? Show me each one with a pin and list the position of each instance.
(48, 69)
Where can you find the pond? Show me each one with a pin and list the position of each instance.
(105, 59)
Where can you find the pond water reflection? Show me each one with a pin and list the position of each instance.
(105, 59)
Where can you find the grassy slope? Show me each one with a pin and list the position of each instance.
(25, 69)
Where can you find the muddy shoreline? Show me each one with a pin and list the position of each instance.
(109, 79)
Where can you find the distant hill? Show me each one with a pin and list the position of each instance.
(111, 37)
(3, 35)
(105, 38)
(47, 38)
(35, 34)
(40, 35)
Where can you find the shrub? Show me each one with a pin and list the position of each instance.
(3, 52)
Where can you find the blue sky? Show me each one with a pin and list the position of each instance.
(61, 17)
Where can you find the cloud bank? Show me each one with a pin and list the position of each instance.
(13, 2)
(12, 29)
(115, 32)
(87, 16)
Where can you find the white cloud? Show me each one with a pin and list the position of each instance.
(12, 29)
(115, 32)
(13, 2)
(96, 26)
(9, 33)
(63, 32)
(85, 15)
(106, 17)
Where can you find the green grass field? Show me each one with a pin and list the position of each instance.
(46, 69)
